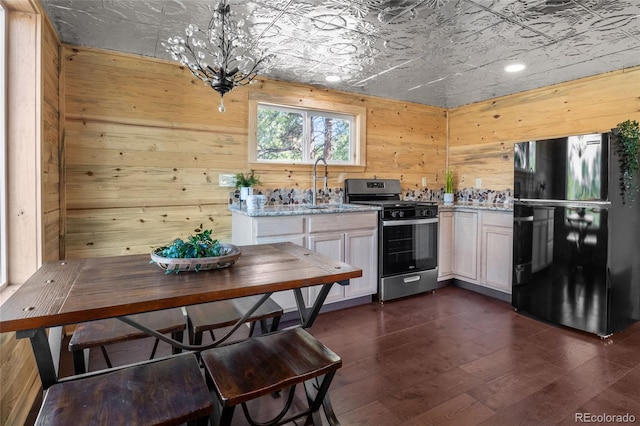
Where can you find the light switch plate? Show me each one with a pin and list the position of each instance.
(424, 182)
(478, 183)
(226, 181)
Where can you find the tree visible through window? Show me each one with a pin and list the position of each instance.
(279, 134)
(302, 136)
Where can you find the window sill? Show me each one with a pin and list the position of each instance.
(272, 167)
(7, 291)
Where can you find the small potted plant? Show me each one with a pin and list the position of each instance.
(448, 187)
(245, 182)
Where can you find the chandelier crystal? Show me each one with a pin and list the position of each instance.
(220, 56)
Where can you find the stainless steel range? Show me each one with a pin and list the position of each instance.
(408, 237)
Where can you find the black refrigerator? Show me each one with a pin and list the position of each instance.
(576, 239)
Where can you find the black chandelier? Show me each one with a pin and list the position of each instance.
(220, 55)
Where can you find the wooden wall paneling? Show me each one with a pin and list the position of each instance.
(20, 381)
(593, 103)
(124, 87)
(482, 134)
(119, 231)
(492, 162)
(143, 134)
(50, 178)
(61, 151)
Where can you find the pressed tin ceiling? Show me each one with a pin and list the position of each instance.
(444, 53)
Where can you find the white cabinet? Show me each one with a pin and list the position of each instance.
(445, 245)
(348, 237)
(465, 244)
(496, 241)
(351, 238)
(361, 250)
(332, 245)
(247, 230)
(476, 247)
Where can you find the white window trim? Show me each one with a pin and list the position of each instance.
(359, 123)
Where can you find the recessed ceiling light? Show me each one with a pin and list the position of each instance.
(514, 67)
(333, 78)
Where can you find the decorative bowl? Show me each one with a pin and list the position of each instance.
(196, 264)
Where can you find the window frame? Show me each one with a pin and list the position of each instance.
(3, 151)
(358, 131)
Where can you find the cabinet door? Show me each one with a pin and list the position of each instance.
(361, 250)
(465, 263)
(445, 245)
(286, 298)
(496, 253)
(332, 245)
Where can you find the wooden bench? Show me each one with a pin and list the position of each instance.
(265, 364)
(225, 313)
(168, 391)
(109, 331)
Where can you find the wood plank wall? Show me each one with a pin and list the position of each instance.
(481, 135)
(50, 143)
(144, 144)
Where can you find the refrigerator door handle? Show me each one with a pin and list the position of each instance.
(563, 203)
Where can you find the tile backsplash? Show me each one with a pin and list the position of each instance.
(466, 195)
(292, 196)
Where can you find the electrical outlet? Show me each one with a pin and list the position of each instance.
(227, 181)
(478, 183)
(424, 182)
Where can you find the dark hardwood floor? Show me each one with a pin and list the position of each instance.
(455, 357)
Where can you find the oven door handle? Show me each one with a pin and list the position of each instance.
(409, 222)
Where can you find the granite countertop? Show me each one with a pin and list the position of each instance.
(306, 209)
(503, 207)
(302, 209)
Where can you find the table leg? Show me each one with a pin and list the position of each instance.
(308, 315)
(42, 353)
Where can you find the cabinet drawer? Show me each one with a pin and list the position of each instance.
(287, 225)
(497, 219)
(342, 222)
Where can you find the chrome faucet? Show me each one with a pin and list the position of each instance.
(314, 196)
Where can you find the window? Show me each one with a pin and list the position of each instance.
(3, 161)
(284, 132)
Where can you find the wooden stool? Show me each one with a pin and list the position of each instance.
(225, 313)
(109, 331)
(168, 391)
(262, 365)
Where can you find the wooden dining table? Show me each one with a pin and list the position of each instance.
(74, 291)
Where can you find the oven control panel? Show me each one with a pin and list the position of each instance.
(428, 212)
(414, 212)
